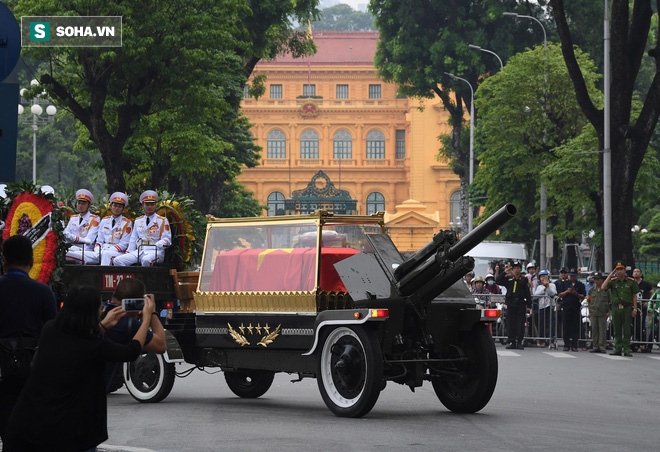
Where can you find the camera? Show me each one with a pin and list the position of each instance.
(133, 304)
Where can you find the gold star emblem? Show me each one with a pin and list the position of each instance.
(242, 328)
(258, 328)
(267, 329)
(249, 328)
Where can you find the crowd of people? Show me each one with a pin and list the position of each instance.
(114, 239)
(531, 299)
(53, 397)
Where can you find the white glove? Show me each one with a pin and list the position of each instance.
(161, 244)
(69, 237)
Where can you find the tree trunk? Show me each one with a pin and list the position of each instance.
(113, 162)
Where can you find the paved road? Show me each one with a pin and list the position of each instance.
(544, 400)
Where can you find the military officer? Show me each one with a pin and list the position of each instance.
(623, 291)
(151, 235)
(82, 230)
(114, 231)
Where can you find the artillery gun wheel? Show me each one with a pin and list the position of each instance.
(248, 383)
(149, 379)
(473, 387)
(350, 371)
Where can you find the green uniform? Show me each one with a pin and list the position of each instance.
(622, 293)
(652, 316)
(599, 305)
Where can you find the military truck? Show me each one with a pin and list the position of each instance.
(330, 297)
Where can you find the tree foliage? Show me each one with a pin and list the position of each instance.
(423, 40)
(170, 96)
(630, 132)
(524, 122)
(342, 17)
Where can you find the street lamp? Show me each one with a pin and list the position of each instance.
(543, 224)
(470, 213)
(36, 110)
(481, 49)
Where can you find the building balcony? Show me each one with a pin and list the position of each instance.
(309, 162)
(274, 162)
(377, 162)
(343, 162)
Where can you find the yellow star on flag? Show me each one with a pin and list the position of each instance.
(264, 253)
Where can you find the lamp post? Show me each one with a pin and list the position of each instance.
(36, 110)
(470, 213)
(481, 49)
(607, 152)
(543, 223)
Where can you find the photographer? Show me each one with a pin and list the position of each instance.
(124, 330)
(63, 406)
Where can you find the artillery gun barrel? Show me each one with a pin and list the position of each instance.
(481, 232)
(423, 253)
(444, 281)
(425, 274)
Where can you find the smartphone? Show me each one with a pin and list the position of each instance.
(133, 304)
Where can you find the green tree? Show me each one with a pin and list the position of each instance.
(521, 128)
(60, 163)
(342, 17)
(174, 53)
(423, 40)
(651, 240)
(630, 133)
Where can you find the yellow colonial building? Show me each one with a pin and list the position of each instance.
(334, 135)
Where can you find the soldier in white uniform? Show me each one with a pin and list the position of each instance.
(82, 230)
(114, 231)
(151, 235)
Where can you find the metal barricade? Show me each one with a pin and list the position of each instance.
(544, 327)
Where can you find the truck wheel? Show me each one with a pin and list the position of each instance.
(472, 387)
(149, 379)
(249, 384)
(350, 371)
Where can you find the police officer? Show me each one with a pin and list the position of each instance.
(82, 230)
(115, 230)
(517, 299)
(150, 236)
(599, 309)
(572, 293)
(623, 292)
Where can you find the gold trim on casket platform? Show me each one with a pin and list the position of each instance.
(255, 301)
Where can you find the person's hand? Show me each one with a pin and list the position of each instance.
(149, 307)
(634, 312)
(112, 317)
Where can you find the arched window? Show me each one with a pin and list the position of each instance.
(309, 145)
(375, 145)
(375, 203)
(275, 204)
(276, 145)
(343, 145)
(455, 207)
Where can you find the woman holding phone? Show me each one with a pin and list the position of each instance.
(63, 405)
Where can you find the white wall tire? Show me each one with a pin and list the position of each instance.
(350, 370)
(149, 379)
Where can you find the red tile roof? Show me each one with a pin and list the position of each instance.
(344, 47)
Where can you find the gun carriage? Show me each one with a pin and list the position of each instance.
(330, 297)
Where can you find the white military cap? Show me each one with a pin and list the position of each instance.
(85, 195)
(148, 195)
(119, 197)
